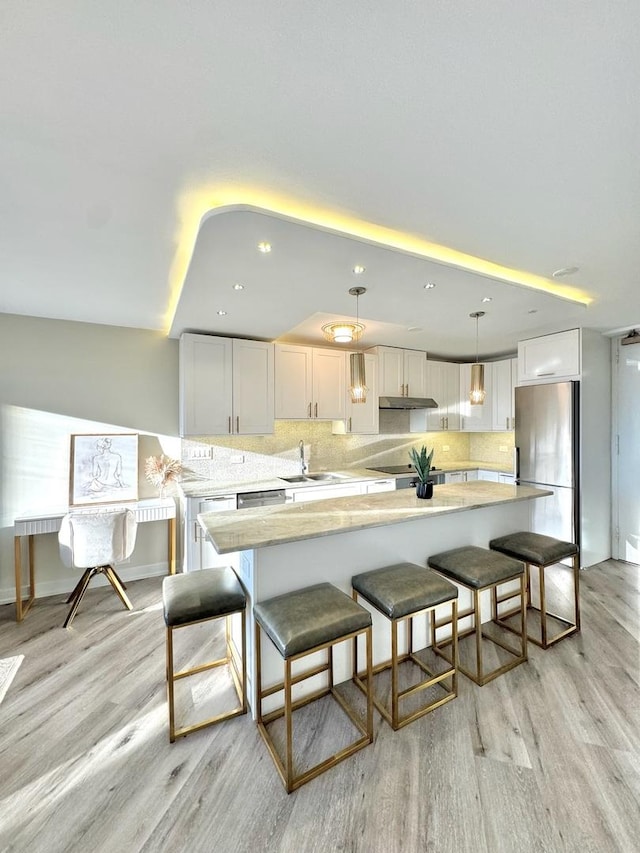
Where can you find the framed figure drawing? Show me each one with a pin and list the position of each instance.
(104, 469)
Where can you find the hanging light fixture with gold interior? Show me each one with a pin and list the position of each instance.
(357, 383)
(477, 391)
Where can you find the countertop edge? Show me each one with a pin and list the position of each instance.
(240, 531)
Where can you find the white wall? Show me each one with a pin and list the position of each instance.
(59, 378)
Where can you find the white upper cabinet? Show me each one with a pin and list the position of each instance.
(503, 383)
(443, 384)
(226, 386)
(401, 372)
(310, 383)
(361, 418)
(549, 358)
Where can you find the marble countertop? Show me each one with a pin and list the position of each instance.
(212, 488)
(206, 488)
(257, 528)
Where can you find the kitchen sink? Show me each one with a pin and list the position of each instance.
(326, 476)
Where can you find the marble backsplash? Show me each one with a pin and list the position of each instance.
(251, 457)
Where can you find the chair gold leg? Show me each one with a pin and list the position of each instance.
(76, 589)
(113, 580)
(86, 577)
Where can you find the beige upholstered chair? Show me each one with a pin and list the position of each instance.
(96, 541)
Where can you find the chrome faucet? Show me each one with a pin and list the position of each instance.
(303, 464)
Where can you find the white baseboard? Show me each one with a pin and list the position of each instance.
(67, 583)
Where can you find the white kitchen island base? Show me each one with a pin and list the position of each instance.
(333, 540)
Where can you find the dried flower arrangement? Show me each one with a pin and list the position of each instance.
(160, 470)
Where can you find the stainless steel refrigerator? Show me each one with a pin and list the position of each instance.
(547, 455)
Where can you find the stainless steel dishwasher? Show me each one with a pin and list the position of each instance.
(268, 497)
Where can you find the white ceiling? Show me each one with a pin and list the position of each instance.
(508, 131)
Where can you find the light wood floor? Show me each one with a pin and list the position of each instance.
(545, 758)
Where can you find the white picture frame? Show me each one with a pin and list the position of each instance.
(103, 468)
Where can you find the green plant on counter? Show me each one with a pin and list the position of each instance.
(421, 462)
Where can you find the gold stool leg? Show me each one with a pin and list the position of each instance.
(576, 588)
(394, 674)
(477, 618)
(170, 685)
(543, 608)
(288, 716)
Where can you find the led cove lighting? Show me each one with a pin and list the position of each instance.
(200, 202)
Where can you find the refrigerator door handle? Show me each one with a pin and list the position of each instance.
(516, 462)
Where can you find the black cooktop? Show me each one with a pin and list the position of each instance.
(398, 469)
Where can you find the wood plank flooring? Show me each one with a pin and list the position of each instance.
(545, 758)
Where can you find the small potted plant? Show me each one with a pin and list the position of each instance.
(422, 463)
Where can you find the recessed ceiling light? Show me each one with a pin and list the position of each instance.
(429, 285)
(358, 269)
(238, 286)
(487, 298)
(564, 271)
(264, 247)
(532, 311)
(221, 313)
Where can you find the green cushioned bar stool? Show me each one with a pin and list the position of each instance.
(199, 597)
(476, 570)
(534, 549)
(401, 593)
(298, 624)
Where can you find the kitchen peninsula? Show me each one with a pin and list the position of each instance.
(284, 548)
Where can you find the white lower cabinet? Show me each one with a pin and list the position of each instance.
(461, 476)
(491, 476)
(506, 478)
(323, 493)
(198, 552)
(388, 485)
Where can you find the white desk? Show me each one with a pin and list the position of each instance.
(28, 526)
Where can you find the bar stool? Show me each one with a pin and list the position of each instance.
(298, 624)
(478, 569)
(400, 593)
(534, 549)
(199, 597)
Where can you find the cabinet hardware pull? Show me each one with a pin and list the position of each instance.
(229, 424)
(316, 411)
(237, 423)
(309, 411)
(447, 422)
(552, 373)
(349, 424)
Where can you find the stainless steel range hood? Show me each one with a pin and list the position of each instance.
(407, 403)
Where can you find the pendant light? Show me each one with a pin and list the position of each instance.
(357, 385)
(477, 392)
